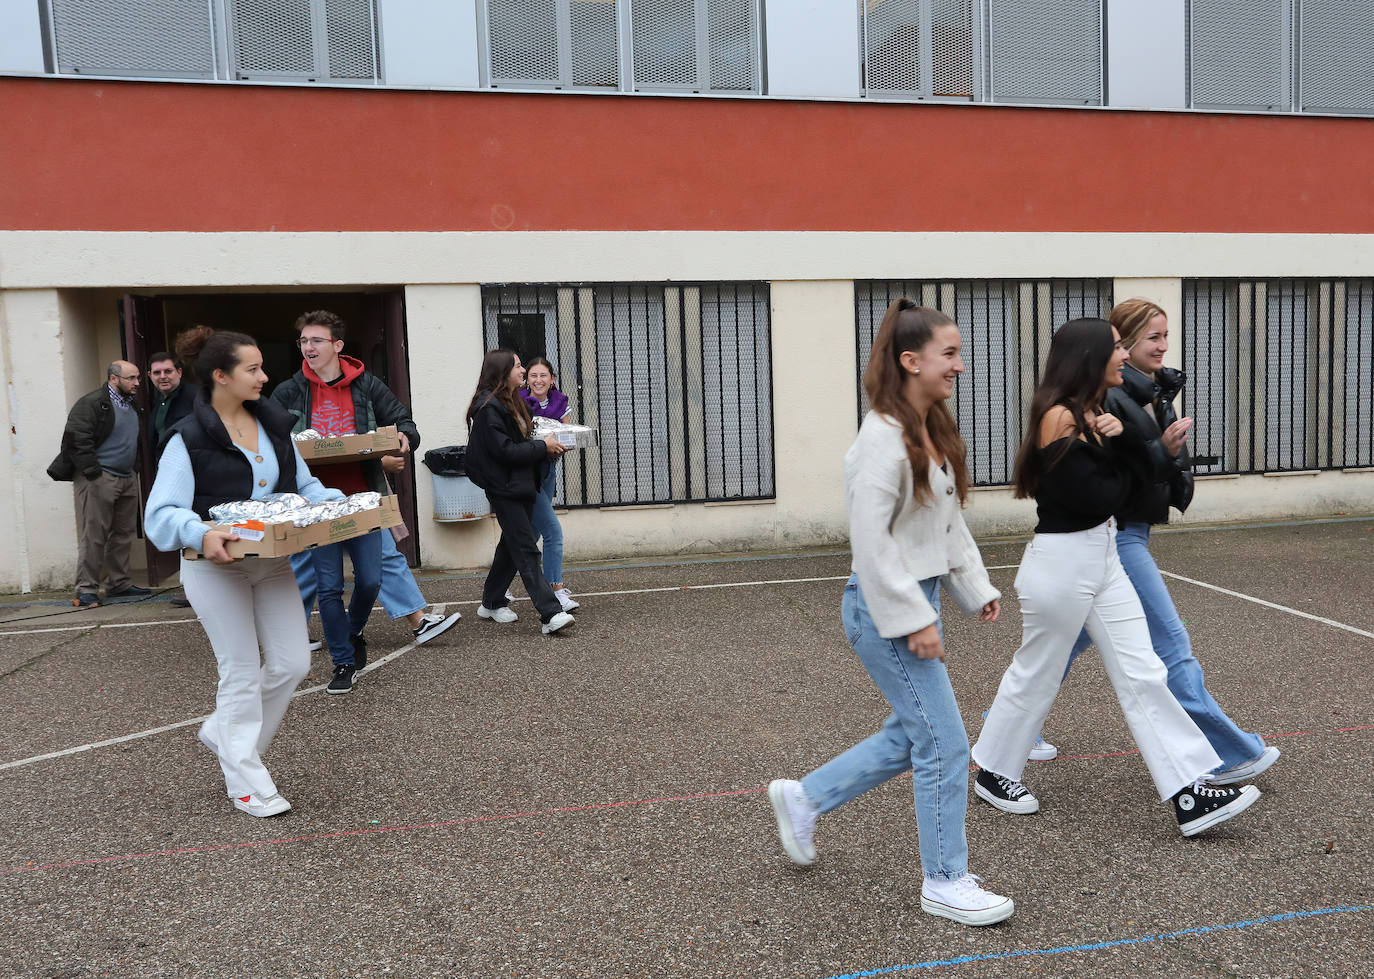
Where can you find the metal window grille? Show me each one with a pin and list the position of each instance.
(1240, 54)
(1006, 325)
(1337, 56)
(643, 45)
(918, 48)
(303, 40)
(1044, 51)
(165, 38)
(1276, 382)
(677, 379)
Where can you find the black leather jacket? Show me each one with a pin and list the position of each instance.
(1145, 408)
(500, 459)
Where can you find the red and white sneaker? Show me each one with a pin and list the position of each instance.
(262, 806)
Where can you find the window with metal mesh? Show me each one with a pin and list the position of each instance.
(115, 37)
(1006, 326)
(1045, 50)
(1270, 381)
(1240, 54)
(677, 380)
(304, 39)
(1337, 56)
(522, 38)
(920, 48)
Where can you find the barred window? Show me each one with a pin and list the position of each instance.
(1276, 379)
(645, 45)
(677, 379)
(1240, 54)
(1006, 326)
(920, 48)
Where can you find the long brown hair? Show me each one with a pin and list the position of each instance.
(493, 381)
(907, 326)
(1075, 377)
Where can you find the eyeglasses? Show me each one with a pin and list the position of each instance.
(314, 341)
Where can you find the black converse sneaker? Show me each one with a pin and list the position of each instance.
(1201, 806)
(1004, 793)
(343, 679)
(359, 650)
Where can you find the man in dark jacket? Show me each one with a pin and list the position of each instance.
(100, 455)
(172, 400)
(333, 394)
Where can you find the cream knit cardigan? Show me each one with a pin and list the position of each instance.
(897, 542)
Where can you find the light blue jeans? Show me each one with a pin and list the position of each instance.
(546, 525)
(400, 595)
(923, 735)
(1172, 646)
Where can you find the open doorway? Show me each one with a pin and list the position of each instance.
(376, 335)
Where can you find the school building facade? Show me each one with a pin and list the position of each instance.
(698, 210)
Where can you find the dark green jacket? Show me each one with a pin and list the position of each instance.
(374, 405)
(89, 423)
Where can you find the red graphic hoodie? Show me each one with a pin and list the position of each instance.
(331, 413)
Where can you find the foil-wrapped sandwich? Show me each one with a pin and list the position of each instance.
(572, 436)
(306, 435)
(293, 509)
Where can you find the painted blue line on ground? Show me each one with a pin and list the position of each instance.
(1096, 946)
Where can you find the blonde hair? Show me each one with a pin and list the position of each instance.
(1132, 317)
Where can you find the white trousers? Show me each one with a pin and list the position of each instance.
(251, 611)
(1068, 582)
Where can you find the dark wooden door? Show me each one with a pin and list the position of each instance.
(145, 333)
(383, 351)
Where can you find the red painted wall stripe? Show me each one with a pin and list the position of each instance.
(99, 155)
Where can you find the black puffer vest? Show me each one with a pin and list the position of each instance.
(223, 473)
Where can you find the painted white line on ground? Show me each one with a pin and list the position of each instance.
(1273, 605)
(396, 654)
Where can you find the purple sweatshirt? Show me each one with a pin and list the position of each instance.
(557, 407)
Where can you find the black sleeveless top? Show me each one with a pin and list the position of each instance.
(223, 474)
(1088, 484)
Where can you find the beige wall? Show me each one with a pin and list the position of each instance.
(59, 329)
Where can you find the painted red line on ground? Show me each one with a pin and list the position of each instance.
(474, 820)
(338, 834)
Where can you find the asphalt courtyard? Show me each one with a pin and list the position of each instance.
(499, 803)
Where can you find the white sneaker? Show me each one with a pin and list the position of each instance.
(432, 625)
(314, 647)
(503, 614)
(796, 820)
(1245, 771)
(1042, 750)
(262, 806)
(964, 901)
(557, 622)
(509, 597)
(566, 600)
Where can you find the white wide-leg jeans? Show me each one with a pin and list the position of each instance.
(1069, 582)
(251, 611)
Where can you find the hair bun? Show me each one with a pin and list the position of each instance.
(189, 344)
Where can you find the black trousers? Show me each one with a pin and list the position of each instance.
(517, 551)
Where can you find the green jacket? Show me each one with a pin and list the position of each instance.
(374, 405)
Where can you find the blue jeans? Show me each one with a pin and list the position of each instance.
(400, 595)
(366, 554)
(923, 735)
(1172, 646)
(548, 528)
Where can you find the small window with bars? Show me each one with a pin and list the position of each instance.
(1277, 373)
(640, 45)
(1006, 326)
(676, 379)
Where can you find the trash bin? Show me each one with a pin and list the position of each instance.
(456, 498)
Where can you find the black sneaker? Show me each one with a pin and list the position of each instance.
(433, 625)
(1201, 806)
(1004, 793)
(359, 650)
(130, 591)
(343, 679)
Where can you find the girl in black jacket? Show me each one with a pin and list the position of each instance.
(505, 462)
